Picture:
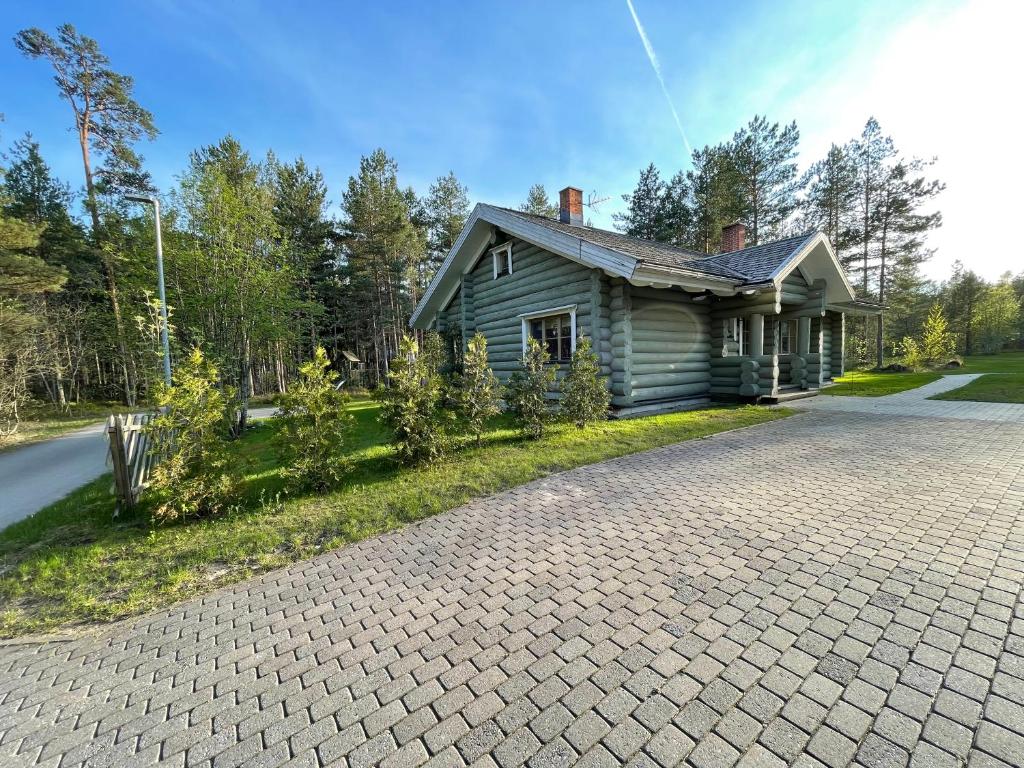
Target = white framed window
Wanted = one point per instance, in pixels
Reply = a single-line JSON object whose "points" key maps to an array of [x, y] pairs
{"points": [[737, 336], [555, 329], [502, 256], [787, 337]]}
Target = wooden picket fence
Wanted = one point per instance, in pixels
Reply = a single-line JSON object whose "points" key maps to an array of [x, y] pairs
{"points": [[130, 456]]}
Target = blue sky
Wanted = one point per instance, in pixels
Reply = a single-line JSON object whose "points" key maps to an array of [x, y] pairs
{"points": [[508, 94]]}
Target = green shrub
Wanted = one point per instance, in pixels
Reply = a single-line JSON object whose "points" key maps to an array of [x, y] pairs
{"points": [[527, 390], [411, 406], [584, 394], [910, 352], [190, 436], [314, 425], [432, 353], [478, 393], [938, 344]]}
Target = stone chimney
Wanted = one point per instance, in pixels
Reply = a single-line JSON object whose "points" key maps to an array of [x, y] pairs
{"points": [[734, 237], [570, 206]]}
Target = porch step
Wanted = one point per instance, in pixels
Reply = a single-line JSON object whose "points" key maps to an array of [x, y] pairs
{"points": [[797, 394]]}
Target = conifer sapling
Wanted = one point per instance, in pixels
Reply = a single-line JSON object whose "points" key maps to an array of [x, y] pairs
{"points": [[528, 388], [479, 394], [584, 395]]}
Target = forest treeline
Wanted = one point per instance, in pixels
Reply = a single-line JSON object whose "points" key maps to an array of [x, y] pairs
{"points": [[260, 271]]}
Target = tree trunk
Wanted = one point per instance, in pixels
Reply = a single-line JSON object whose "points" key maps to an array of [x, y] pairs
{"points": [[879, 351], [106, 261]]}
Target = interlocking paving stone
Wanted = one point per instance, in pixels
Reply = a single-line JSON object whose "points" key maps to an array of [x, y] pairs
{"points": [[694, 603]]}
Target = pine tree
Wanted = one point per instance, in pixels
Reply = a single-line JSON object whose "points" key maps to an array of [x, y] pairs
{"points": [[446, 208], [963, 293], [715, 196], [527, 391], [479, 394], [585, 397], [871, 153], [644, 215], [108, 122], [763, 155], [901, 227], [677, 215], [830, 186], [382, 252], [538, 204], [308, 235]]}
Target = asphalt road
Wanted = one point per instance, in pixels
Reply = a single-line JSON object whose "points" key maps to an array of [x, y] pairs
{"points": [[35, 476]]}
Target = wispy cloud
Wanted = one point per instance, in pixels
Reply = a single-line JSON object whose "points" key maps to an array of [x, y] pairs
{"points": [[653, 58]]}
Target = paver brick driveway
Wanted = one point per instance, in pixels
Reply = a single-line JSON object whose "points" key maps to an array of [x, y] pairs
{"points": [[831, 588]]}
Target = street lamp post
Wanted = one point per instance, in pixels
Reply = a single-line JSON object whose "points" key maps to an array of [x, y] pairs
{"points": [[160, 281]]}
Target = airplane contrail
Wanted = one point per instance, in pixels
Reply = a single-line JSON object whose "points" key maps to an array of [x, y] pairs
{"points": [[653, 58]]}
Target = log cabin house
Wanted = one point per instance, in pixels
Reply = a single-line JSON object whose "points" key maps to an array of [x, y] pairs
{"points": [[673, 328]]}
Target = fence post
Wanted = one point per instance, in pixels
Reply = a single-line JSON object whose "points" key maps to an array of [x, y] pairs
{"points": [[119, 462]]}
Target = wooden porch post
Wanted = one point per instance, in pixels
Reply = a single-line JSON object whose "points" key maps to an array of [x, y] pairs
{"points": [[757, 335], [803, 336]]}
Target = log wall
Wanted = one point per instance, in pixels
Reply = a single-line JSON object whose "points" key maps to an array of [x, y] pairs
{"points": [[671, 344], [540, 280]]}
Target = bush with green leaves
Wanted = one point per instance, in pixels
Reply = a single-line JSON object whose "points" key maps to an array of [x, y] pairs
{"points": [[314, 425], [584, 394], [193, 477], [527, 391], [910, 352], [411, 406], [432, 352], [938, 345], [478, 393]]}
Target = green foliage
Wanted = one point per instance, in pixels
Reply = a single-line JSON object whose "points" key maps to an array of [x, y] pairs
{"points": [[938, 345], [231, 265], [996, 318], [527, 390], [478, 394], [585, 397], [432, 352], [193, 478], [538, 204], [411, 406], [314, 426], [107, 118], [446, 209], [910, 352], [763, 156]]}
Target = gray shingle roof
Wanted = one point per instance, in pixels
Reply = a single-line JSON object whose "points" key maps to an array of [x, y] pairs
{"points": [[750, 265], [759, 262]]}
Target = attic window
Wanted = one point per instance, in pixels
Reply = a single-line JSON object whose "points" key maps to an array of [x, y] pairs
{"points": [[502, 256]]}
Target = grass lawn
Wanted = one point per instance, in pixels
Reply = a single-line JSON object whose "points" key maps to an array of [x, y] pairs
{"points": [[990, 388], [1005, 362], [876, 384], [41, 422], [71, 563]]}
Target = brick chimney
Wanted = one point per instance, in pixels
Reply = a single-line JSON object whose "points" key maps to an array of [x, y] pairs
{"points": [[570, 206], [734, 237]]}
